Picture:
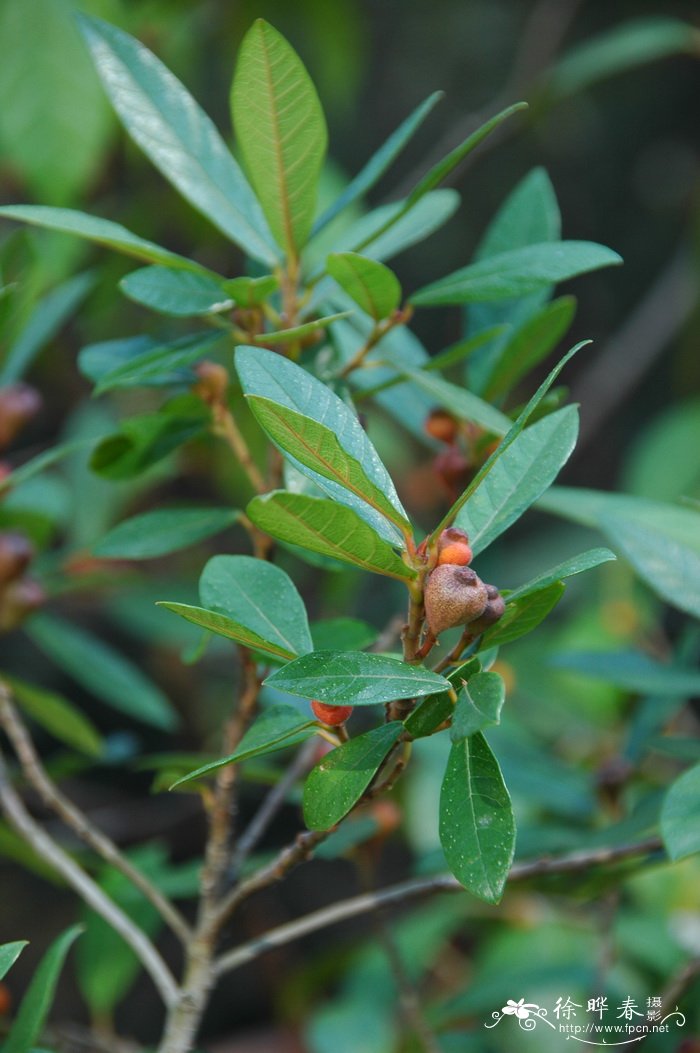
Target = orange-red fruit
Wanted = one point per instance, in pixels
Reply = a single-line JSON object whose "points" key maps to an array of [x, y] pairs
{"points": [[453, 596], [330, 715], [459, 554], [441, 425]]}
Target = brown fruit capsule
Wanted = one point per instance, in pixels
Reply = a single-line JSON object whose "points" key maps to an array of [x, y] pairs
{"points": [[330, 715], [15, 554], [441, 425], [18, 404], [495, 606], [453, 596]]}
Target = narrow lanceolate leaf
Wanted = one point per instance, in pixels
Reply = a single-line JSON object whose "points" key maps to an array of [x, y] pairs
{"points": [[275, 729], [577, 565], [9, 953], [328, 528], [36, 1004], [347, 678], [459, 401], [479, 705], [162, 532], [317, 447], [529, 465], [106, 673], [369, 283], [530, 343], [679, 816], [477, 827], [223, 626], [338, 781], [523, 615], [270, 376], [59, 717], [516, 273], [298, 332], [281, 130], [379, 162], [260, 596], [102, 231], [165, 121], [156, 366], [183, 294]]}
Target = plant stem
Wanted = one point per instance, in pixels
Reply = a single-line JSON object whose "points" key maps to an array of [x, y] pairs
{"points": [[226, 428]]}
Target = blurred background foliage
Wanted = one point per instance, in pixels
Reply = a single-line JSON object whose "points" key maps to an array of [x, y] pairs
{"points": [[613, 92]]}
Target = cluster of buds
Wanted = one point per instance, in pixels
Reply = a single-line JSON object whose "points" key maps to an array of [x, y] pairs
{"points": [[467, 446], [454, 593], [19, 595]]}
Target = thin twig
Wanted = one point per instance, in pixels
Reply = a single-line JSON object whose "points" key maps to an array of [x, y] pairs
{"points": [[76, 820], [363, 904], [88, 890], [408, 995], [226, 427]]}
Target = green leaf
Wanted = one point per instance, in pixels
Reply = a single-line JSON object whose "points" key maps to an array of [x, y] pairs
{"points": [[529, 465], [46, 320], [281, 130], [9, 953], [517, 272], [632, 671], [275, 729], [60, 718], [331, 529], [338, 781], [223, 626], [54, 136], [183, 294], [271, 377], [379, 162], [260, 596], [298, 332], [479, 705], [251, 291], [523, 615], [440, 171], [347, 678], [434, 710], [679, 816], [459, 401], [391, 229], [477, 828], [632, 43], [530, 343], [143, 441], [36, 1004], [164, 531], [103, 231], [369, 283], [317, 447], [576, 565], [103, 672], [661, 541], [160, 364], [165, 121], [41, 462], [342, 634]]}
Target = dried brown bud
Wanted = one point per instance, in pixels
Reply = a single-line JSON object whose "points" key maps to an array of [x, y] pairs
{"points": [[19, 600], [15, 553], [212, 385], [18, 404], [454, 595], [452, 467], [495, 606]]}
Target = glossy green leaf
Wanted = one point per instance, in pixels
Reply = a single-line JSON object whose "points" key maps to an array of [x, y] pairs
{"points": [[48, 317], [477, 827], [275, 729], [661, 541], [281, 131], [102, 671], [679, 816], [95, 361], [479, 704], [434, 710], [223, 626], [459, 401], [183, 294], [144, 441], [60, 718], [165, 121], [260, 596], [338, 781], [102, 231], [269, 376], [391, 229], [517, 272], [9, 953], [164, 531], [379, 162], [347, 678], [328, 528], [36, 1004], [523, 615], [251, 291], [164, 363], [317, 447], [369, 283], [529, 465], [298, 332], [576, 565], [632, 671], [531, 342], [632, 43]]}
